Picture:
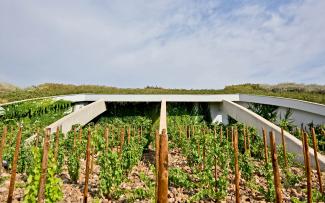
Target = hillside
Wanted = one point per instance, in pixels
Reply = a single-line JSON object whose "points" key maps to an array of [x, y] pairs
{"points": [[5, 87], [313, 93]]}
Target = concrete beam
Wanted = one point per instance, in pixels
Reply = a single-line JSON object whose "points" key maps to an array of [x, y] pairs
{"points": [[163, 116], [82, 116], [250, 118], [318, 109], [150, 97]]}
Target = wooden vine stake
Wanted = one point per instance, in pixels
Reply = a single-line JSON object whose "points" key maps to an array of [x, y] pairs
{"points": [[106, 139], [319, 174], [2, 145], [112, 132], [203, 154], [139, 136], [303, 142], [198, 153], [308, 169], [232, 135], [187, 132], [14, 168], [56, 147], [157, 143], [163, 169], [215, 173], [46, 145], [248, 142], [129, 135], [92, 159], [265, 146], [245, 142], [276, 173], [74, 137], [227, 133], [87, 167], [215, 133], [284, 149], [237, 176], [121, 142], [221, 134], [80, 136]]}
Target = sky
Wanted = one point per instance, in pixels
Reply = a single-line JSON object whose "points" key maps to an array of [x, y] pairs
{"points": [[166, 43]]}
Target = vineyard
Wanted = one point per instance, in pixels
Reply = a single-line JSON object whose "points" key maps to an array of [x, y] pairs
{"points": [[121, 157]]}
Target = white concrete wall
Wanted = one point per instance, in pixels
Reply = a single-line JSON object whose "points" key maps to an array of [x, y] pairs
{"points": [[82, 116], [217, 114], [301, 117], [298, 116], [250, 118], [77, 106]]}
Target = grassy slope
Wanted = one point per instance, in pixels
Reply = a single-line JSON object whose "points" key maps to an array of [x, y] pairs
{"points": [[5, 87], [315, 94]]}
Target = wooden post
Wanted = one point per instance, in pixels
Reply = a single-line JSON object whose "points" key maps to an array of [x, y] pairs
{"points": [[232, 135], [106, 139], [41, 192], [112, 132], [248, 142], [139, 135], [92, 158], [198, 153], [2, 146], [303, 143], [56, 148], [14, 168], [215, 174], [221, 134], [215, 133], [308, 170], [74, 137], [163, 169], [227, 133], [276, 173], [319, 174], [122, 142], [265, 146], [157, 143], [140, 131], [284, 149], [237, 176], [203, 164], [187, 132], [87, 167], [80, 135], [129, 135], [245, 142]]}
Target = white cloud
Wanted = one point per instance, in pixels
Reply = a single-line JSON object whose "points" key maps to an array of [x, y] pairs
{"points": [[167, 43]]}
